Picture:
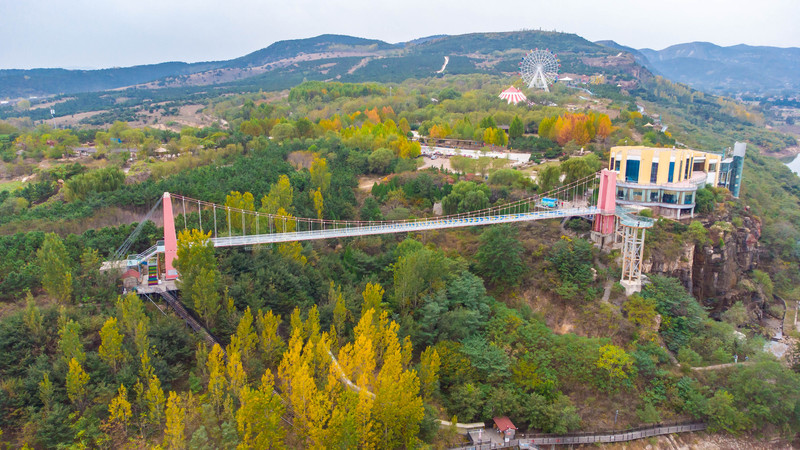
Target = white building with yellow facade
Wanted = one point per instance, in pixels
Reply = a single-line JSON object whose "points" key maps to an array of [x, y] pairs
{"points": [[663, 179]]}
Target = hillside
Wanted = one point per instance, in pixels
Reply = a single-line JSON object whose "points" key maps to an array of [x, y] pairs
{"points": [[286, 63]]}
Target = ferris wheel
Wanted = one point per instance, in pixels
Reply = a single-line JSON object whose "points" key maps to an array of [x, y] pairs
{"points": [[539, 69]]}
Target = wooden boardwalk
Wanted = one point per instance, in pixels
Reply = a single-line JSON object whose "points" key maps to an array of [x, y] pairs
{"points": [[532, 441]]}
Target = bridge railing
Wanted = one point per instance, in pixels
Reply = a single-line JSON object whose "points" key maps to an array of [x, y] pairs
{"points": [[242, 222]]}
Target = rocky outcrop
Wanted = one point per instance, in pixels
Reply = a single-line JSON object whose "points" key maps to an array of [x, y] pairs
{"points": [[712, 271], [719, 265]]}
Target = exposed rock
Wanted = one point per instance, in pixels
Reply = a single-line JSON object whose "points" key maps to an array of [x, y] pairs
{"points": [[712, 272]]}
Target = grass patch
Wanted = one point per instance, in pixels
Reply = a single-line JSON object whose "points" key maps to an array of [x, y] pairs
{"points": [[10, 185]]}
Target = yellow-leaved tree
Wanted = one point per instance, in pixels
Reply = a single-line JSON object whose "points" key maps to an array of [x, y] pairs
{"points": [[175, 423], [259, 416], [77, 379], [119, 410], [111, 350]]}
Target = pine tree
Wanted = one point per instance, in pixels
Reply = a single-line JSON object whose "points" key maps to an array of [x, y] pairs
{"points": [[77, 379], [175, 423], [110, 349], [516, 129]]}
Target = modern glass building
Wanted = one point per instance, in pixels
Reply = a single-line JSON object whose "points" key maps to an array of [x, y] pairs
{"points": [[662, 179], [730, 175]]}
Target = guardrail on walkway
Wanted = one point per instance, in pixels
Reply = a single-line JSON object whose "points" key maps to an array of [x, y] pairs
{"points": [[597, 437]]}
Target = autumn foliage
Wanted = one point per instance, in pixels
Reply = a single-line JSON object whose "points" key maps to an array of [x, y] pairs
{"points": [[581, 128]]}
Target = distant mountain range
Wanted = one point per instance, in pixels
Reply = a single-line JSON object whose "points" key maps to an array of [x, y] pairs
{"points": [[332, 57], [738, 69], [705, 66]]}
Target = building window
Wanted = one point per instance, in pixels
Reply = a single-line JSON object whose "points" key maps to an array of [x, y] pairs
{"points": [[616, 166], [671, 171], [669, 197], [654, 196], [632, 171], [654, 172], [687, 199], [686, 173], [637, 195], [620, 194], [712, 167]]}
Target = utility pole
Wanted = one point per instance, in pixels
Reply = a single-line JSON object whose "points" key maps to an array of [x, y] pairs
{"points": [[615, 420]]}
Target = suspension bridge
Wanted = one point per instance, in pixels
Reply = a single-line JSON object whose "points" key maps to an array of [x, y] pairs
{"points": [[590, 197]]}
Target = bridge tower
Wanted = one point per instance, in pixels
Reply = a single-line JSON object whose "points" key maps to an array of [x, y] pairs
{"points": [[632, 233], [606, 203], [611, 224], [170, 238]]}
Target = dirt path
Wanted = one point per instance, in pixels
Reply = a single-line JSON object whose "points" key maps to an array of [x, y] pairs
{"points": [[721, 366]]}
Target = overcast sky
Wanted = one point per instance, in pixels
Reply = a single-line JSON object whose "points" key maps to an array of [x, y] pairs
{"points": [[108, 33]]}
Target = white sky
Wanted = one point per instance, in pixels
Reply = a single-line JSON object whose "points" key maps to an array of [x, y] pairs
{"points": [[108, 33]]}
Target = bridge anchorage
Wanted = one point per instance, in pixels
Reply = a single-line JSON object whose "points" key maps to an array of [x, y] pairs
{"points": [[593, 196]]}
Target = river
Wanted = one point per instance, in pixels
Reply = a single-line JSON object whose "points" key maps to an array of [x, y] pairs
{"points": [[794, 165]]}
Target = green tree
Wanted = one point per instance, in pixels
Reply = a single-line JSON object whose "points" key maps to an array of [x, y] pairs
{"points": [[516, 129], [70, 342], [500, 256], [548, 178], [280, 196], [206, 295], [380, 160], [723, 414], [195, 258], [736, 315], [53, 259]]}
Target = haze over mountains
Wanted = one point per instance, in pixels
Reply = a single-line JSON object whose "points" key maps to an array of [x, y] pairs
{"points": [[705, 66], [724, 70]]}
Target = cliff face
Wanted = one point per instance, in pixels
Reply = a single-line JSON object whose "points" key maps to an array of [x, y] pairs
{"points": [[717, 267], [712, 271]]}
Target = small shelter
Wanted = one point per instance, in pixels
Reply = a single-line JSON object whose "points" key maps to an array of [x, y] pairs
{"points": [[513, 95], [130, 279], [504, 425]]}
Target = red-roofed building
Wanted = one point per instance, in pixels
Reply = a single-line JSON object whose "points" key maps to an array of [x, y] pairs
{"points": [[505, 426], [130, 279]]}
